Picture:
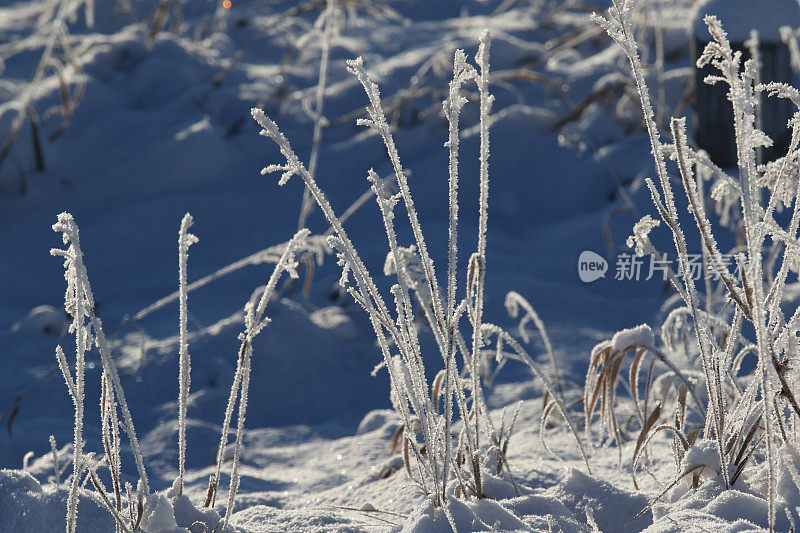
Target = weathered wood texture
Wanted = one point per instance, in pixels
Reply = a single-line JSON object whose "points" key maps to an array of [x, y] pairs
{"points": [[714, 114]]}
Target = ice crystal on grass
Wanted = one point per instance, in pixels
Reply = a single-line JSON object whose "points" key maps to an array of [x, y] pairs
{"points": [[640, 240]]}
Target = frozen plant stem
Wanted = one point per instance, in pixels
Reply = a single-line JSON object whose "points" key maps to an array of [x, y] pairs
{"points": [[76, 391], [477, 266], [709, 356], [185, 239], [110, 435], [744, 126], [79, 302], [452, 109], [255, 321], [515, 301]]}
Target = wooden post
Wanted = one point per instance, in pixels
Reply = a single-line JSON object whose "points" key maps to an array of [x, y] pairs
{"points": [[713, 111]]}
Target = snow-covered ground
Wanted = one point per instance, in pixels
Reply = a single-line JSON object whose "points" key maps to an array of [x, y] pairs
{"points": [[164, 128]]}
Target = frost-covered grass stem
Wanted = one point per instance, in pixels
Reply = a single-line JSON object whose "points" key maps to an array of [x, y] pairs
{"points": [[79, 302], [185, 239], [255, 321]]}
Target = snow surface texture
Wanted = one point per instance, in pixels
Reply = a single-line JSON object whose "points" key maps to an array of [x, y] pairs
{"points": [[163, 128], [739, 17]]}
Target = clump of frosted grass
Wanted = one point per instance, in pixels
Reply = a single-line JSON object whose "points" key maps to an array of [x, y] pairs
{"points": [[437, 468], [131, 508], [740, 414], [88, 331]]}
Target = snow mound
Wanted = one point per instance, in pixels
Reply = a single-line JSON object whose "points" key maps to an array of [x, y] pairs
{"points": [[262, 518], [159, 515], [475, 515], [703, 452], [42, 319], [185, 513], [640, 335], [335, 320], [29, 507], [497, 488], [713, 508], [612, 508], [733, 505], [545, 513]]}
